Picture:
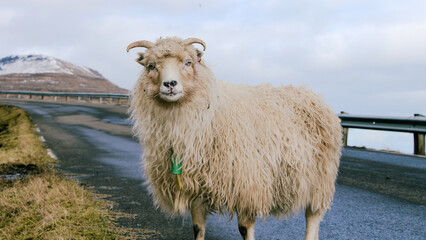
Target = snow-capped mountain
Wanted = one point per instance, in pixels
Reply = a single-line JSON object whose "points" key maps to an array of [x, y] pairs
{"points": [[45, 73], [42, 64]]}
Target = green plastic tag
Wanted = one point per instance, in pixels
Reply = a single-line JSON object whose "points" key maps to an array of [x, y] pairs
{"points": [[176, 164]]}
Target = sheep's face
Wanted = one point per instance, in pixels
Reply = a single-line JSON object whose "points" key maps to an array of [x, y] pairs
{"points": [[170, 68], [169, 79]]}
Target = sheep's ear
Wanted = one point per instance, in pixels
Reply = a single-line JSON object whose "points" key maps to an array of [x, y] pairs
{"points": [[140, 58], [199, 55]]}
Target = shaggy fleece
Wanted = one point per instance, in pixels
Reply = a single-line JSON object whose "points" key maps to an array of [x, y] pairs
{"points": [[254, 150]]}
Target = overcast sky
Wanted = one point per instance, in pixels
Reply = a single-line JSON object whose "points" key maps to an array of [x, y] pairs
{"points": [[363, 56]]}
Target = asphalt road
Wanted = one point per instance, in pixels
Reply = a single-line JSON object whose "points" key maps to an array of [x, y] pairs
{"points": [[378, 196]]}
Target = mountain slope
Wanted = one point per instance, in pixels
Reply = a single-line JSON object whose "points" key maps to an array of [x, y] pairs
{"points": [[48, 74]]}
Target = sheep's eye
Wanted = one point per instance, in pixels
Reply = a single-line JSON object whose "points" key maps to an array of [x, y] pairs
{"points": [[150, 66], [188, 63]]}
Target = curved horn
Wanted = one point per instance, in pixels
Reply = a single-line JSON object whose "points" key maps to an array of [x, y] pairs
{"points": [[144, 43], [189, 41]]}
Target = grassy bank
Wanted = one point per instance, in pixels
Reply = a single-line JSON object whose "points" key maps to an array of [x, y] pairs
{"points": [[37, 202], [18, 142]]}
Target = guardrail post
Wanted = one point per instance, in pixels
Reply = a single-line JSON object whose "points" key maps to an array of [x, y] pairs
{"points": [[56, 98], [419, 144], [419, 140], [100, 99], [345, 136], [79, 99], [345, 132]]}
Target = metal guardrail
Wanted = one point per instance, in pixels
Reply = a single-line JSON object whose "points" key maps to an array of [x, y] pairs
{"points": [[109, 97], [415, 124]]}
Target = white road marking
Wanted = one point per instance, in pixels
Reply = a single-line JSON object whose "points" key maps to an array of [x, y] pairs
{"points": [[51, 154]]}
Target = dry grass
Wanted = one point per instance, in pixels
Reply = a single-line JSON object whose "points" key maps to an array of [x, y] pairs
{"points": [[46, 205], [49, 207], [18, 142]]}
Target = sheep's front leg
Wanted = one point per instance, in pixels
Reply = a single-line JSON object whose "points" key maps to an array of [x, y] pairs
{"points": [[313, 220], [199, 215], [246, 227]]}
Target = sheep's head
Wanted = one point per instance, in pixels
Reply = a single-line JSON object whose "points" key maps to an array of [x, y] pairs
{"points": [[170, 68]]}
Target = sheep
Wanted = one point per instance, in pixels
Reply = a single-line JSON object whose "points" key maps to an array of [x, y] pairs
{"points": [[215, 147]]}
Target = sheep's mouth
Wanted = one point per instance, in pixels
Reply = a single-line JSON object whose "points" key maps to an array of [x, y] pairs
{"points": [[171, 96], [170, 93]]}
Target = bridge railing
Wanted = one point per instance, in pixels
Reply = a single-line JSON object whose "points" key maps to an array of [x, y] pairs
{"points": [[111, 98], [415, 124]]}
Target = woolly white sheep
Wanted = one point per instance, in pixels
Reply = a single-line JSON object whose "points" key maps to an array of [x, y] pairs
{"points": [[211, 146]]}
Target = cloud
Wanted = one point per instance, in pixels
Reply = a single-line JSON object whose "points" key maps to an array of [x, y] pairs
{"points": [[372, 45], [363, 56], [6, 16]]}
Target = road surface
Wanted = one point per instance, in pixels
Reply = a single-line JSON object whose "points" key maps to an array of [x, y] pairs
{"points": [[94, 143]]}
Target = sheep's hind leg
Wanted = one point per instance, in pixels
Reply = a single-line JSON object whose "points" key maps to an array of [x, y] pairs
{"points": [[313, 220], [199, 215], [246, 227]]}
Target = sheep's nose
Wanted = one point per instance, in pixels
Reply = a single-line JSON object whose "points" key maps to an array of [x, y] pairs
{"points": [[170, 83]]}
